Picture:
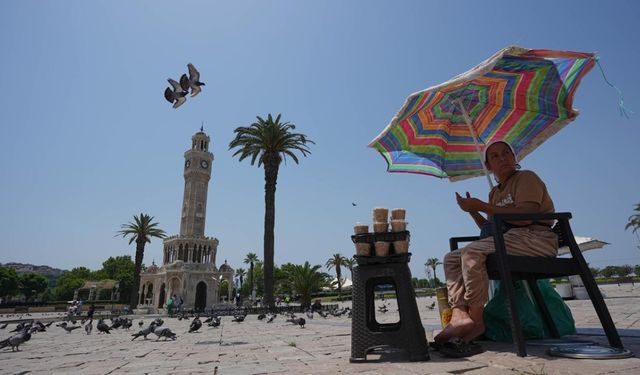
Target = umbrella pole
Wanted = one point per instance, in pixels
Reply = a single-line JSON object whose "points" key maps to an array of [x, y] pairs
{"points": [[467, 120]]}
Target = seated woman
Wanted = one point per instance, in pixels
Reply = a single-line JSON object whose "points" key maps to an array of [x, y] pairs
{"points": [[465, 271]]}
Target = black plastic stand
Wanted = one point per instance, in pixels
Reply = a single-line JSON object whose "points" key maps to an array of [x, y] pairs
{"points": [[366, 333]]}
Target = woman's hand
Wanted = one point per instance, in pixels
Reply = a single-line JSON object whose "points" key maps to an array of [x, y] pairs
{"points": [[469, 204]]}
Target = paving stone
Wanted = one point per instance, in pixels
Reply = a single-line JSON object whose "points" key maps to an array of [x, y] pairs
{"points": [[322, 347]]}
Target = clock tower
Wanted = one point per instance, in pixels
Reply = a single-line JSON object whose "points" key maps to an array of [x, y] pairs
{"points": [[189, 268], [197, 172]]}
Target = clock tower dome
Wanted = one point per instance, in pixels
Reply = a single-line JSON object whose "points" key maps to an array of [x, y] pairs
{"points": [[197, 172]]}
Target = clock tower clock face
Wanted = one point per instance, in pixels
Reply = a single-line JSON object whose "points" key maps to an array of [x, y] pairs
{"points": [[204, 164], [187, 163]]}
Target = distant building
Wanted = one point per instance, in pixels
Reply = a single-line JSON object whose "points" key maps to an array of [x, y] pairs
{"points": [[189, 266]]}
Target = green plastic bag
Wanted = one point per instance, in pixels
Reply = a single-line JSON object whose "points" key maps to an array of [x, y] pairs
{"points": [[497, 320]]}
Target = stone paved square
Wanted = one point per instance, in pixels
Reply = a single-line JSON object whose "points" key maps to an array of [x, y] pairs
{"points": [[322, 347]]}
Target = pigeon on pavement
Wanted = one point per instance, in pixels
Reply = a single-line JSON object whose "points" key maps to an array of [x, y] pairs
{"points": [[89, 327], [144, 332], [16, 340], [192, 82], [103, 327], [215, 321], [164, 332], [238, 318], [195, 324]]}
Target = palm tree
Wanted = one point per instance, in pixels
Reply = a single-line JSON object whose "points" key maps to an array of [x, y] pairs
{"points": [[241, 273], [269, 142], [306, 280], [141, 230], [433, 263], [337, 261], [250, 259], [349, 263], [634, 222]]}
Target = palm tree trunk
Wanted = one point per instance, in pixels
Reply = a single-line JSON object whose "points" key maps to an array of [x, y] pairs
{"points": [[339, 274], [251, 278], [136, 274], [270, 177], [434, 276]]}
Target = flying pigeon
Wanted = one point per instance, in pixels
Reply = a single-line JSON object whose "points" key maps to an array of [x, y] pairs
{"points": [[353, 204], [175, 96], [16, 340], [195, 324], [193, 81]]}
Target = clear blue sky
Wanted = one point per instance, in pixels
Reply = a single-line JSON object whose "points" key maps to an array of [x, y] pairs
{"points": [[87, 139]]}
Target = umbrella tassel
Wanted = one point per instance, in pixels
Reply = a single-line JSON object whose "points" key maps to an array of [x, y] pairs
{"points": [[623, 110]]}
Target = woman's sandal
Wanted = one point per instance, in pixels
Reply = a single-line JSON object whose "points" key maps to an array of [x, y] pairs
{"points": [[457, 348]]}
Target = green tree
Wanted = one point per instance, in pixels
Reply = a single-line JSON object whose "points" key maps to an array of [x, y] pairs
{"points": [[269, 142], [241, 273], [609, 271], [349, 263], [120, 269], [251, 259], [624, 270], [224, 289], [282, 276], [306, 280], [634, 222], [8, 282], [141, 230], [433, 263], [337, 261], [32, 284], [69, 282], [636, 269], [595, 271]]}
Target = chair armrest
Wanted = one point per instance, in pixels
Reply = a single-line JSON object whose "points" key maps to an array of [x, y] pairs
{"points": [[454, 241], [532, 216], [499, 220]]}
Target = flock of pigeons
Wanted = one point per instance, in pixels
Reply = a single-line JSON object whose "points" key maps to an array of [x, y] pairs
{"points": [[177, 93], [25, 329]]}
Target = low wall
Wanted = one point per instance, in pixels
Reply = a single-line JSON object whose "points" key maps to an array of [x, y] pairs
{"points": [[41, 309]]}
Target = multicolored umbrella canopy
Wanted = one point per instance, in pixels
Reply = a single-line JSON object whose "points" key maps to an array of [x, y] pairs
{"points": [[518, 95]]}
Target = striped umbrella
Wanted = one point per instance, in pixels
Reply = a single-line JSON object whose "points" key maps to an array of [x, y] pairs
{"points": [[518, 95]]}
